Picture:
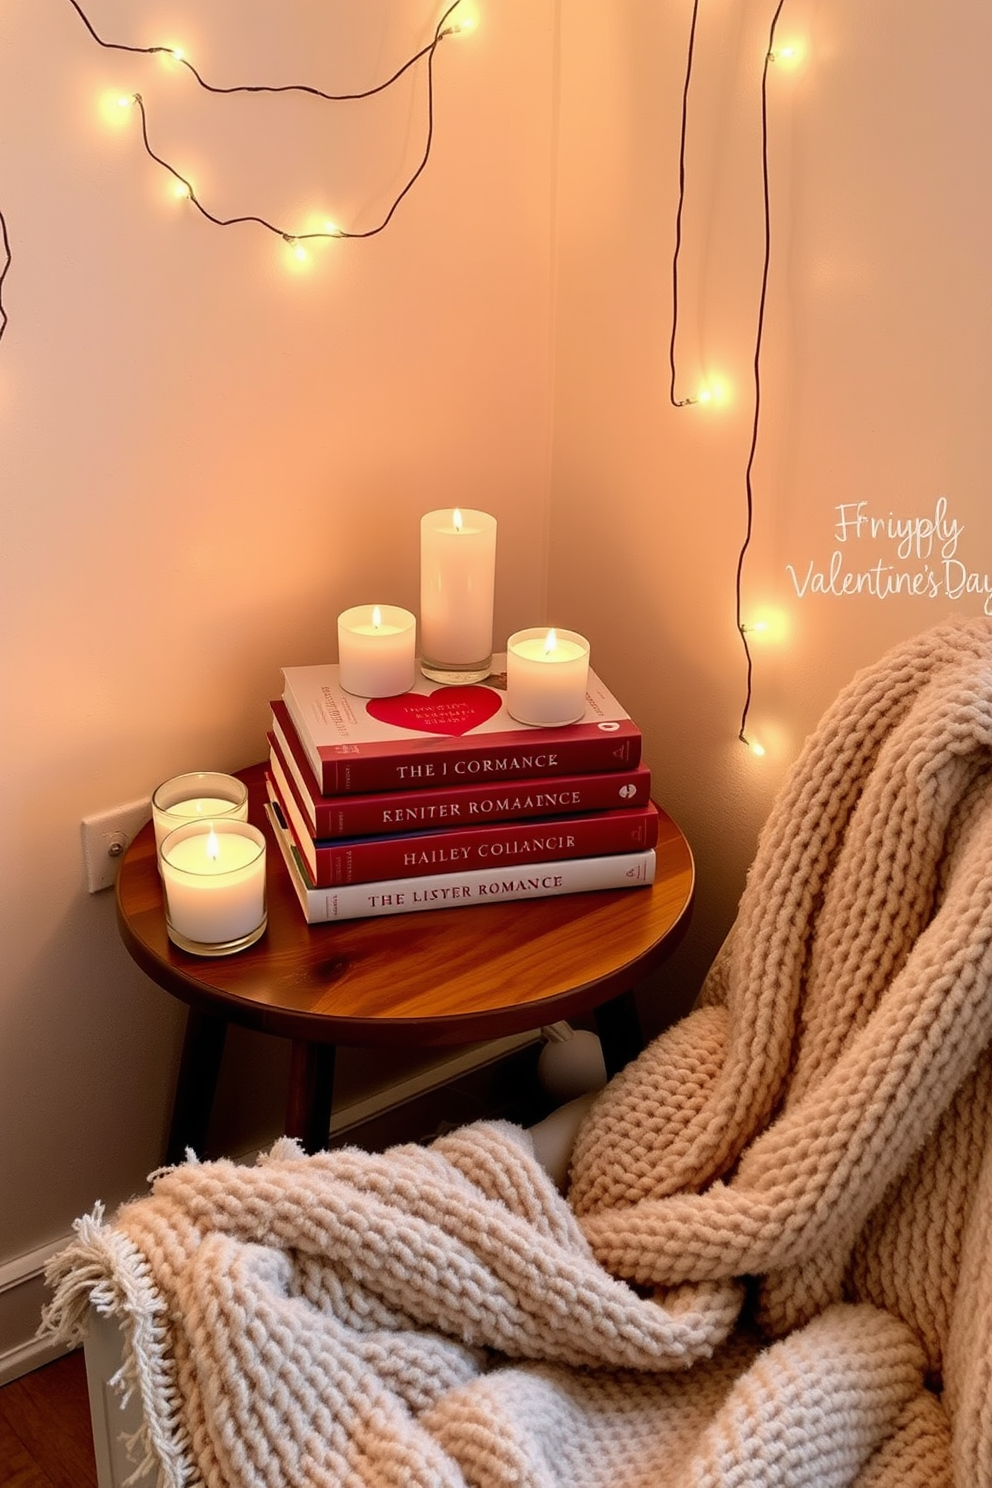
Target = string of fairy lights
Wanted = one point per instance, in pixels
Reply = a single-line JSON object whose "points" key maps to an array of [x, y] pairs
{"points": [[294, 238], [705, 394], [446, 26], [297, 239]]}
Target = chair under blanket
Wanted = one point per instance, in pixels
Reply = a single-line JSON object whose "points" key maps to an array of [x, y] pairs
{"points": [[772, 1261]]}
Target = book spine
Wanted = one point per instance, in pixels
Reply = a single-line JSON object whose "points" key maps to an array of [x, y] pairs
{"points": [[462, 889], [495, 845], [379, 772], [387, 813], [351, 769]]}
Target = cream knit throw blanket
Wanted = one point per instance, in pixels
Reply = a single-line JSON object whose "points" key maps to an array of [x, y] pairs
{"points": [[774, 1263]]}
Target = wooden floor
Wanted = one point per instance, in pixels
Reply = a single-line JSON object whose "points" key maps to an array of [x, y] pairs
{"points": [[45, 1435]]}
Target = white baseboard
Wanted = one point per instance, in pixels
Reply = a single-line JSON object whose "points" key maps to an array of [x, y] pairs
{"points": [[23, 1293]]}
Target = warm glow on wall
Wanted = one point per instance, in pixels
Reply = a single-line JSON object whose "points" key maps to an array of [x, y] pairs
{"points": [[118, 110], [789, 56], [769, 626]]}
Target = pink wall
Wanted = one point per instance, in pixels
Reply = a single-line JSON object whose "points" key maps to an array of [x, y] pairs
{"points": [[875, 371], [206, 453]]}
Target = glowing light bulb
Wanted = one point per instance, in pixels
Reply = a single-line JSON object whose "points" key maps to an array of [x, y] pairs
{"points": [[332, 229], [114, 107], [756, 748], [790, 55]]}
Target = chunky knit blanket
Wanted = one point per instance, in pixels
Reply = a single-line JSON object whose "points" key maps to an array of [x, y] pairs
{"points": [[773, 1263]]}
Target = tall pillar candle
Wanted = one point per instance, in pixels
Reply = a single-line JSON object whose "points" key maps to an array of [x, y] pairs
{"points": [[213, 879], [547, 672], [376, 650], [457, 587]]}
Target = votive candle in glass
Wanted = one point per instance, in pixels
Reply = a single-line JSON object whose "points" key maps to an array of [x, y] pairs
{"points": [[457, 587], [201, 795], [547, 672], [377, 650], [213, 879]]}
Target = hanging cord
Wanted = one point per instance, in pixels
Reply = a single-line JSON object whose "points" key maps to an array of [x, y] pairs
{"points": [[5, 242], [759, 333], [681, 402], [758, 339], [164, 51]]}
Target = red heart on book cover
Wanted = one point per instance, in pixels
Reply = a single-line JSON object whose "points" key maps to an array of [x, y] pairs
{"points": [[447, 710]]}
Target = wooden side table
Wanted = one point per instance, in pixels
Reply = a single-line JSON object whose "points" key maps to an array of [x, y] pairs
{"points": [[434, 977]]}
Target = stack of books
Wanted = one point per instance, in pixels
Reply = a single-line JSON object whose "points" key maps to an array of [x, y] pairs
{"points": [[439, 798]]}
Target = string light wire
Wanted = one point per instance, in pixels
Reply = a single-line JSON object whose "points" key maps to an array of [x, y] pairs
{"points": [[683, 130], [441, 30], [758, 340], [4, 267], [178, 56], [759, 330], [294, 239]]}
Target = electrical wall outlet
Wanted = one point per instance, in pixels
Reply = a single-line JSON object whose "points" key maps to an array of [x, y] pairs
{"points": [[106, 838]]}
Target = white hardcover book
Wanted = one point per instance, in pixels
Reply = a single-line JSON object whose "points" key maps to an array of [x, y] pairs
{"points": [[453, 890]]}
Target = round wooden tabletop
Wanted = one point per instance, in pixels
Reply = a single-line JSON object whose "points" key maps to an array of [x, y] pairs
{"points": [[430, 977]]}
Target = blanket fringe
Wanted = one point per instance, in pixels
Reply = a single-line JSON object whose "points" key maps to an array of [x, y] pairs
{"points": [[101, 1269]]}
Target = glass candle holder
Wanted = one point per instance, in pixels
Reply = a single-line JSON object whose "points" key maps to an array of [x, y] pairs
{"points": [[202, 795], [457, 585], [213, 879], [547, 672]]}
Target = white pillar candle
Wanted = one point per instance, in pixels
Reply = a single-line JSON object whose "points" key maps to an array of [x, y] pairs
{"points": [[213, 878], [457, 585], [377, 650], [201, 795], [546, 676]]}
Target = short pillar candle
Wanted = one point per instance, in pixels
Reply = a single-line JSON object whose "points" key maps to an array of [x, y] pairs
{"points": [[213, 879], [377, 650], [200, 795], [457, 587], [547, 672]]}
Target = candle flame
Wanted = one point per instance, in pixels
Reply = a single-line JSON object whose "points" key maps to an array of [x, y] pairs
{"points": [[213, 846], [456, 520], [376, 616], [550, 643]]}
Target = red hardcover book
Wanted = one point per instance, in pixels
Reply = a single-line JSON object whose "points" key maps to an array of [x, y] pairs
{"points": [[454, 890], [494, 845], [385, 813], [437, 735]]}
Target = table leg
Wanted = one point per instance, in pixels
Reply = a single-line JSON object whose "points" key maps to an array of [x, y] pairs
{"points": [[311, 1092], [619, 1027], [199, 1066]]}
